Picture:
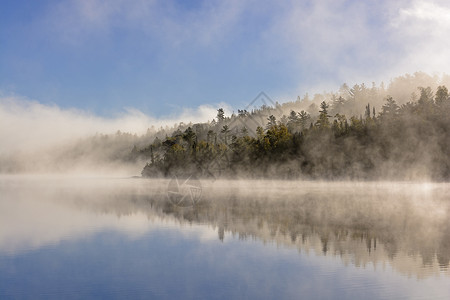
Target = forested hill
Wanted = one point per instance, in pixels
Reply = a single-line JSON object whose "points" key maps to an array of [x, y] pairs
{"points": [[345, 138], [398, 131]]}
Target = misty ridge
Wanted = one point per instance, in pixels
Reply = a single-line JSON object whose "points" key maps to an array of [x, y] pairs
{"points": [[399, 131]]}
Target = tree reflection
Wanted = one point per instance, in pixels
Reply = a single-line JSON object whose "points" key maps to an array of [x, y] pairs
{"points": [[364, 224]]}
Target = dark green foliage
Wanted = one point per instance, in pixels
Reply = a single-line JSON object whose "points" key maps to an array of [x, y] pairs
{"points": [[410, 141], [323, 122]]}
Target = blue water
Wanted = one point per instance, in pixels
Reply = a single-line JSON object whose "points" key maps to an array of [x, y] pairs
{"points": [[72, 239]]}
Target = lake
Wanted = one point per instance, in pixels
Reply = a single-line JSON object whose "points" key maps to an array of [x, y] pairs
{"points": [[80, 238]]}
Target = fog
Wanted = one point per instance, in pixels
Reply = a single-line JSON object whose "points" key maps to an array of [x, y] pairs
{"points": [[38, 212], [46, 138], [409, 144], [29, 124], [403, 225]]}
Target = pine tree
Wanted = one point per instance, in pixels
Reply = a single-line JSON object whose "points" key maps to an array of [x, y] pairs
{"points": [[323, 121], [442, 96], [272, 121], [220, 115]]}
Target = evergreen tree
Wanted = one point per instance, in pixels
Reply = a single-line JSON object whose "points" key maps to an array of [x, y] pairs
{"points": [[272, 121], [425, 103], [390, 109], [225, 131], [323, 121], [367, 113], [304, 119], [220, 115], [293, 121], [442, 96]]}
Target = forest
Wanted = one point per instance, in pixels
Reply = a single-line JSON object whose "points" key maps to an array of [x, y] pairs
{"points": [[356, 133], [394, 131]]}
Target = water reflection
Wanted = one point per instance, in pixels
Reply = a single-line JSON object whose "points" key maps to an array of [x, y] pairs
{"points": [[404, 225]]}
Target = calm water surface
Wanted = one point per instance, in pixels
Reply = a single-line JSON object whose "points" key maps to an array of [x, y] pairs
{"points": [[63, 238]]}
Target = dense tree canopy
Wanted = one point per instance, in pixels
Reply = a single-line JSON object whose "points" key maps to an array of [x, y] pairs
{"points": [[404, 141]]}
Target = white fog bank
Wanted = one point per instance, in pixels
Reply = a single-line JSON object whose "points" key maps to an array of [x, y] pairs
{"points": [[27, 126]]}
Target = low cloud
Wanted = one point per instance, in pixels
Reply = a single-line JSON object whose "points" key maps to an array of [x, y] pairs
{"points": [[27, 125]]}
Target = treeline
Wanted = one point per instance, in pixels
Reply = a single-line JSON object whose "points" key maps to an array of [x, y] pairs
{"points": [[400, 141]]}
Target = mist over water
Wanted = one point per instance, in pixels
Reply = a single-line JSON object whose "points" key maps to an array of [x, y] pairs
{"points": [[125, 176], [75, 219], [374, 230]]}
